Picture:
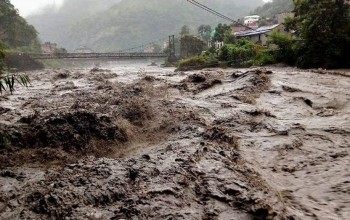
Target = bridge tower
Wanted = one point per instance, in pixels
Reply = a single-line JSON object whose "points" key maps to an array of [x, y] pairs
{"points": [[171, 55]]}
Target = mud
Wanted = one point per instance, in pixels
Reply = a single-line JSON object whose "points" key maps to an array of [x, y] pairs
{"points": [[146, 144]]}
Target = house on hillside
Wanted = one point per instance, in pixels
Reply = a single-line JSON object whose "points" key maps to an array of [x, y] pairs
{"points": [[238, 27], [259, 35], [252, 21]]}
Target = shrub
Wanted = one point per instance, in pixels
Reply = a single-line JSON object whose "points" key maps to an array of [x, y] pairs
{"points": [[265, 58], [230, 38], [197, 62], [242, 52], [211, 51]]}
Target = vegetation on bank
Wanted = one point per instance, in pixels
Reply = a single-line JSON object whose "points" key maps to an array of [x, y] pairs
{"points": [[322, 32], [317, 41], [16, 38], [197, 62], [8, 80], [16, 35], [242, 52]]}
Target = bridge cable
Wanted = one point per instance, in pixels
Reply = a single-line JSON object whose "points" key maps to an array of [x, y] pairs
{"points": [[212, 11]]}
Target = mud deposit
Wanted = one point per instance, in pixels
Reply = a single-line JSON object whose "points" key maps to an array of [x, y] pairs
{"points": [[211, 144]]}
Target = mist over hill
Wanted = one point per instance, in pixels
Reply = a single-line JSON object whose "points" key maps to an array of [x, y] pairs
{"points": [[110, 25]]}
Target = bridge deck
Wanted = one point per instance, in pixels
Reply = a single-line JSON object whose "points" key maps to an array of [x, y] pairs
{"points": [[95, 55]]}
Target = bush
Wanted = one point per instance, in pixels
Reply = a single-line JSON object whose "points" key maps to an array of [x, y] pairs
{"points": [[266, 57], [230, 38], [197, 62], [211, 51], [242, 52]]}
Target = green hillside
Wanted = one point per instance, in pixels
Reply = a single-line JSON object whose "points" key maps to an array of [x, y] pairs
{"points": [[15, 32], [270, 9], [110, 25]]}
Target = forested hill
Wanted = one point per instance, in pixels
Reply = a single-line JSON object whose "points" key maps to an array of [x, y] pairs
{"points": [[110, 25], [270, 9], [15, 32]]}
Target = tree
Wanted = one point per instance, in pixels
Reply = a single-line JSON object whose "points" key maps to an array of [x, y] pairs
{"points": [[185, 30], [191, 46], [287, 47], [220, 32], [204, 31], [323, 28], [230, 38]]}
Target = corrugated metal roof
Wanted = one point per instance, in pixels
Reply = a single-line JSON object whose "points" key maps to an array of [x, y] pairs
{"points": [[260, 30]]}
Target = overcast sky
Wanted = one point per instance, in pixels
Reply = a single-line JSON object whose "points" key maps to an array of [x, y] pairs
{"points": [[27, 7]]}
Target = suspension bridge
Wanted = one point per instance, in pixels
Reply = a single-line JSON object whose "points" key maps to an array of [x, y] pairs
{"points": [[135, 55], [122, 54]]}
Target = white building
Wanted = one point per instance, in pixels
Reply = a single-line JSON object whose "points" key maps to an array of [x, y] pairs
{"points": [[251, 19]]}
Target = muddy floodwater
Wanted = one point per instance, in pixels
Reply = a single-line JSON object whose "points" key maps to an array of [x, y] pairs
{"points": [[125, 140]]}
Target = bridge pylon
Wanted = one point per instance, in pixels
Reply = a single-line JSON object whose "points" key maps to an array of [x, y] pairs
{"points": [[171, 56]]}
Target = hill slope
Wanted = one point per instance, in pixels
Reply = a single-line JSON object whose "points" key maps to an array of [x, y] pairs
{"points": [[110, 25], [15, 32], [275, 7]]}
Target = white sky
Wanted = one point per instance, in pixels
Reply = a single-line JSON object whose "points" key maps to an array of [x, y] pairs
{"points": [[27, 7]]}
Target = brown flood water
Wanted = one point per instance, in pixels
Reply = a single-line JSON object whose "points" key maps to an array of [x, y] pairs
{"points": [[130, 141]]}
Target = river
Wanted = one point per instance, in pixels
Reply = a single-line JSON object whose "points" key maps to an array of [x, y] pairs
{"points": [[131, 141]]}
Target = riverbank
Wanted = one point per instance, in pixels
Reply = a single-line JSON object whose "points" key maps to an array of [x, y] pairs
{"points": [[150, 143], [21, 62]]}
